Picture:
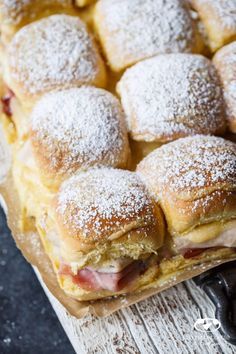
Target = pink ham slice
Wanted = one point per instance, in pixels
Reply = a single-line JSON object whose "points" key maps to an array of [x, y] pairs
{"points": [[6, 103], [193, 252], [93, 280]]}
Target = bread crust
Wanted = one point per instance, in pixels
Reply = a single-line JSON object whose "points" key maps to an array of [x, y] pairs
{"points": [[124, 212], [194, 179], [69, 54], [76, 129], [133, 30], [15, 14], [225, 62], [172, 96], [218, 17]]}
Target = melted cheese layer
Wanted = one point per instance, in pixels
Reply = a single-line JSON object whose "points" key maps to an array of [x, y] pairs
{"points": [[225, 238]]}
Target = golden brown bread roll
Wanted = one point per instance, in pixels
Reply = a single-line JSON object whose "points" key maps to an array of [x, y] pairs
{"points": [[53, 53], [107, 227], [172, 96], [77, 128], [17, 13], [133, 30], [194, 180], [225, 62], [219, 19], [70, 130]]}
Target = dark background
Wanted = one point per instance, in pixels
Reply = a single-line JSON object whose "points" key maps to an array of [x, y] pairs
{"points": [[28, 324]]}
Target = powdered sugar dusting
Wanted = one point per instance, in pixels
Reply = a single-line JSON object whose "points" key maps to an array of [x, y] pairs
{"points": [[80, 127], [100, 200], [225, 61], [225, 10], [139, 29], [190, 164], [51, 53], [13, 11], [169, 95]]}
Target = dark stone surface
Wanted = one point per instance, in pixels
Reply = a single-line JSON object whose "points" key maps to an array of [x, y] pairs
{"points": [[28, 324]]}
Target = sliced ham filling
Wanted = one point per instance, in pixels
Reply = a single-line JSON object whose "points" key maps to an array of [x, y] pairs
{"points": [[94, 280], [6, 103], [194, 252]]}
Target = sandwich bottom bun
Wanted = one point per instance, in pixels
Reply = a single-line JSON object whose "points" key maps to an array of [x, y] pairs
{"points": [[143, 281], [153, 277]]}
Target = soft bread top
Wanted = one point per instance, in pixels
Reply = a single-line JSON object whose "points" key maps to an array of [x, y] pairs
{"points": [[132, 30], [194, 179], [52, 53], [108, 206], [77, 128], [225, 62], [219, 19], [15, 11], [172, 96]]}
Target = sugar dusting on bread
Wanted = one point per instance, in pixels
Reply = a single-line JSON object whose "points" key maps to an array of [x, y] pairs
{"points": [[225, 62], [140, 29], [102, 199], [80, 127], [169, 95], [191, 164], [225, 10], [13, 11], [54, 52]]}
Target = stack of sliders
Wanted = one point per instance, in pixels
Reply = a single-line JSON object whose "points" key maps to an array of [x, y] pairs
{"points": [[129, 186]]}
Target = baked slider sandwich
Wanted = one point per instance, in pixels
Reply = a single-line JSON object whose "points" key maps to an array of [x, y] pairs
{"points": [[133, 30], [171, 96], [225, 62], [53, 53], [194, 180], [70, 130], [219, 20], [102, 234], [15, 14]]}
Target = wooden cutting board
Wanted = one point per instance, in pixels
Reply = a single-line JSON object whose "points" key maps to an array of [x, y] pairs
{"points": [[161, 324]]}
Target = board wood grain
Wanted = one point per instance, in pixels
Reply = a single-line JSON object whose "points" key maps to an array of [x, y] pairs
{"points": [[161, 324]]}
